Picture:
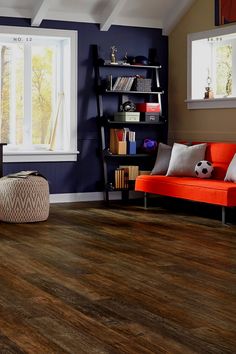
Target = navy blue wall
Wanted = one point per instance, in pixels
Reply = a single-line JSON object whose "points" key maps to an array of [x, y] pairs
{"points": [[85, 174]]}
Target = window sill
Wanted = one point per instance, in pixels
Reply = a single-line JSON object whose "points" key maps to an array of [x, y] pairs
{"points": [[227, 102], [39, 156]]}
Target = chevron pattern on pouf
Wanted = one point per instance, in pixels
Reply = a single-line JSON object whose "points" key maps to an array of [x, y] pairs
{"points": [[24, 199]]}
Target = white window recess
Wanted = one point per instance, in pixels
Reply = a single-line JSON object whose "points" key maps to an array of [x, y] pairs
{"points": [[211, 63]]}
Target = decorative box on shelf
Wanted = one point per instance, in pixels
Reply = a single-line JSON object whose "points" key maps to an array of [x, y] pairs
{"points": [[142, 85], [127, 116], [148, 107], [118, 144], [150, 117], [131, 147]]}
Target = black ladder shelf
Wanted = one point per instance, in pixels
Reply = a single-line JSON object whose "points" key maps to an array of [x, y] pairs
{"points": [[106, 122]]}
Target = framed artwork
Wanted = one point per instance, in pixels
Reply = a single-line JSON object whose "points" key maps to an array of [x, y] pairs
{"points": [[225, 12]]}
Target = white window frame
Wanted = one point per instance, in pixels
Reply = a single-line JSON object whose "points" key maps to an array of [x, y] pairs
{"points": [[224, 102], [70, 154]]}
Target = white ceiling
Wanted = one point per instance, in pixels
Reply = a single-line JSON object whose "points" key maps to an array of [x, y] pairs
{"points": [[163, 14]]}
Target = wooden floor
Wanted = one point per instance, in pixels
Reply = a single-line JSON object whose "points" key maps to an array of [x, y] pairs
{"points": [[119, 280]]}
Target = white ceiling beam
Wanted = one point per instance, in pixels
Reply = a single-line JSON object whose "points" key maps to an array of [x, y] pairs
{"points": [[111, 14], [138, 22], [39, 12]]}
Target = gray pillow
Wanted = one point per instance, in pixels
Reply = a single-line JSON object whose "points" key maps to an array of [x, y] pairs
{"points": [[162, 160], [184, 158], [231, 171]]}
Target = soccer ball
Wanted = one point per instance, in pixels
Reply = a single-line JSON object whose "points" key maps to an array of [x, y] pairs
{"points": [[204, 169]]}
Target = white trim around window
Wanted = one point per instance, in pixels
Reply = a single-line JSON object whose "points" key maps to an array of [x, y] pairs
{"points": [[229, 102], [47, 156], [69, 152]]}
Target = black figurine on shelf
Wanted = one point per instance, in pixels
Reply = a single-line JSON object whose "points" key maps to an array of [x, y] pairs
{"points": [[125, 59], [127, 106]]}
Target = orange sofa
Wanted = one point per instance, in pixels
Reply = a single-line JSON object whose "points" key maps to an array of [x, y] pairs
{"points": [[214, 191]]}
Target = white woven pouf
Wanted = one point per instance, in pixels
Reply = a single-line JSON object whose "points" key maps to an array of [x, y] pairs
{"points": [[24, 199]]}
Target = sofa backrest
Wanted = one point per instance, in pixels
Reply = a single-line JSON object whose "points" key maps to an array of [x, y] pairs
{"points": [[220, 154]]}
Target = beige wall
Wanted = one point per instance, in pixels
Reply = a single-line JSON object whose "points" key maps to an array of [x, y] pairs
{"points": [[200, 124]]}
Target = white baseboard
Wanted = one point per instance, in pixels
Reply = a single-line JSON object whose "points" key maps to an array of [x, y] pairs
{"points": [[87, 197], [75, 197]]}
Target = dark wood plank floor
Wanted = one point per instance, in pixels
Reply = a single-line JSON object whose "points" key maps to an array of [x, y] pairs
{"points": [[122, 279]]}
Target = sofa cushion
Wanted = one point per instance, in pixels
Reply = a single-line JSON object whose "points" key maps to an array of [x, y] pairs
{"points": [[231, 171], [220, 155], [184, 159], [196, 189], [162, 160]]}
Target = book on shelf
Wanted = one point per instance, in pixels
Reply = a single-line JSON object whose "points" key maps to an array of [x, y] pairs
{"points": [[121, 84], [116, 83], [126, 177]]}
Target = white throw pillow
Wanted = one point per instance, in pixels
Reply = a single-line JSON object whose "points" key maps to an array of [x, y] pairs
{"points": [[231, 171], [162, 160], [184, 159]]}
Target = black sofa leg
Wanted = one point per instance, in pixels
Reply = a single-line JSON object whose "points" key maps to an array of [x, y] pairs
{"points": [[145, 199], [223, 215]]}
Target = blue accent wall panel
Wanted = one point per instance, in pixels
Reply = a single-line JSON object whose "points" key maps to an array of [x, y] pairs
{"points": [[85, 174]]}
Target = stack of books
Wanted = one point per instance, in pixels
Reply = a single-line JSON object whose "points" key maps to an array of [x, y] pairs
{"points": [[125, 176], [123, 83], [122, 178]]}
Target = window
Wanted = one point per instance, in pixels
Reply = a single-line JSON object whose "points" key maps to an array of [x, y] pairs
{"points": [[38, 114], [212, 69]]}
